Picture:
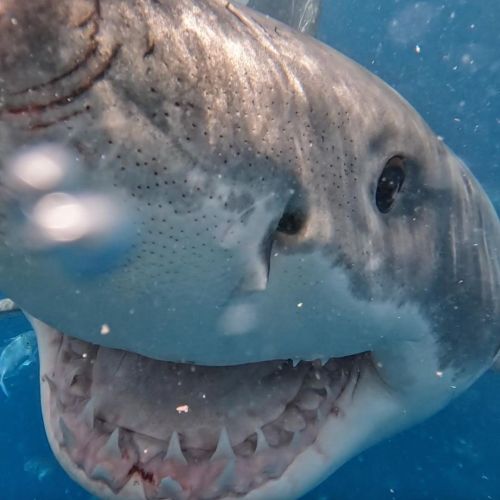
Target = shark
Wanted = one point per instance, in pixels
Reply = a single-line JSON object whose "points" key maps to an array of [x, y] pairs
{"points": [[245, 257]]}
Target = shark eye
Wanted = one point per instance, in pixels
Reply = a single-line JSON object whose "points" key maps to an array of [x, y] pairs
{"points": [[390, 183]]}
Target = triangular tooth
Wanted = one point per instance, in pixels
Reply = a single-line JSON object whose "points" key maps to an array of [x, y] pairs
{"points": [[295, 362], [226, 479], [321, 414], [76, 381], [174, 451], [324, 411], [171, 489], [52, 385], [319, 362], [112, 447], [133, 489], [262, 444], [88, 414], [102, 473], [296, 439], [68, 438], [224, 449]]}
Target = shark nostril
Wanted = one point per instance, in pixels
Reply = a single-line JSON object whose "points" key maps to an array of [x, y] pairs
{"points": [[291, 223]]}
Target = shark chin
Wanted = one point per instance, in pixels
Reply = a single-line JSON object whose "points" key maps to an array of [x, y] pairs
{"points": [[130, 427]]}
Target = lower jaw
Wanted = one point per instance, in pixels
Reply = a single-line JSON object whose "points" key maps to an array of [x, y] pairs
{"points": [[119, 462]]}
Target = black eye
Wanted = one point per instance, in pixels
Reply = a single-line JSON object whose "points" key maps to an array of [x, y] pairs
{"points": [[390, 184]]}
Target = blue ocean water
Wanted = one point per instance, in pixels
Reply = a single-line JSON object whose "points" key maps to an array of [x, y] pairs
{"points": [[444, 57]]}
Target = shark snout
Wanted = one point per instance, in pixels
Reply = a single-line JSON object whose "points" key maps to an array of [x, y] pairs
{"points": [[40, 41]]}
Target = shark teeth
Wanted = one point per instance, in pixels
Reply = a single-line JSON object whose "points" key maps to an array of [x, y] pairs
{"points": [[68, 438], [319, 362], [171, 489], [133, 489], [174, 451], [226, 479], [52, 385], [262, 444], [88, 414], [224, 450], [136, 465], [111, 449], [102, 473], [296, 440]]}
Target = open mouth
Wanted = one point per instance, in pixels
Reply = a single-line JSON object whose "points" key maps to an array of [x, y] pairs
{"points": [[185, 431]]}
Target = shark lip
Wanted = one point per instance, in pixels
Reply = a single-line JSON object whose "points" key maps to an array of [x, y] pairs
{"points": [[200, 451]]}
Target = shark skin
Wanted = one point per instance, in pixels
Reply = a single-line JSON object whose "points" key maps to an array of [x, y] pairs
{"points": [[303, 267]]}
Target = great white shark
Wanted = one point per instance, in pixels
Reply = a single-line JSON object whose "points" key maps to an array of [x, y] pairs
{"points": [[303, 267]]}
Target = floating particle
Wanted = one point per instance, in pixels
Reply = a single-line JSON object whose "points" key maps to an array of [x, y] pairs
{"points": [[105, 329], [182, 409]]}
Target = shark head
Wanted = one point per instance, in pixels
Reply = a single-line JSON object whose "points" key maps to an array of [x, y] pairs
{"points": [[303, 268]]}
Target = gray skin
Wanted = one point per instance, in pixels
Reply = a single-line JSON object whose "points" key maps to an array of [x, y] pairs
{"points": [[249, 156]]}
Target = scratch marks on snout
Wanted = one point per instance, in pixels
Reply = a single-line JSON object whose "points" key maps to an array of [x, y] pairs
{"points": [[88, 17], [37, 101], [55, 121], [84, 60], [99, 70]]}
